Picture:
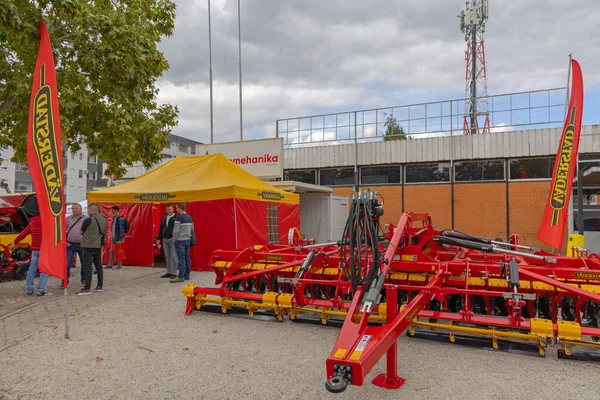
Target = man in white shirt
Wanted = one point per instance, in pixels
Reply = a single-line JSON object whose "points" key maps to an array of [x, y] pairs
{"points": [[165, 233]]}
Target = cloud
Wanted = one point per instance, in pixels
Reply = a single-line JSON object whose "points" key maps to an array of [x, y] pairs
{"points": [[315, 57], [260, 104]]}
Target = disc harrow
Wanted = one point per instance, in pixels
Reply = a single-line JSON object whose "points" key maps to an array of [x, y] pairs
{"points": [[440, 285]]}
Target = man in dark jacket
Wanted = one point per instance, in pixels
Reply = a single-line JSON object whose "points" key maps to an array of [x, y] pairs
{"points": [[118, 235], [165, 233], [93, 230], [184, 237]]}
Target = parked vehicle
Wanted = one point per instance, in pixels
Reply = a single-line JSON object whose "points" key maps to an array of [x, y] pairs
{"points": [[13, 219]]}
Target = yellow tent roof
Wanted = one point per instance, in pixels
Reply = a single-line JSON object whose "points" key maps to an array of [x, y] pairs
{"points": [[193, 178]]}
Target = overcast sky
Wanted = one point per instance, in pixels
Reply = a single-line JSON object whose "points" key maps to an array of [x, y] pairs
{"points": [[303, 57]]}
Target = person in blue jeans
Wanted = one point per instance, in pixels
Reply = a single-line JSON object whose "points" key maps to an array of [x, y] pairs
{"points": [[184, 237], [34, 228], [74, 223]]}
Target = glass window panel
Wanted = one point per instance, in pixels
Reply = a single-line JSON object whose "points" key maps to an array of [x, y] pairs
{"points": [[491, 170], [531, 168], [337, 177], [380, 175], [423, 173], [301, 175]]}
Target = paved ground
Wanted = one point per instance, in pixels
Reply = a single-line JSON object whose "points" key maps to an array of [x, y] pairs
{"points": [[22, 315], [133, 341]]}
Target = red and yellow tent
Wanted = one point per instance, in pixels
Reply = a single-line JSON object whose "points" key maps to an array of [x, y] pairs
{"points": [[230, 207]]}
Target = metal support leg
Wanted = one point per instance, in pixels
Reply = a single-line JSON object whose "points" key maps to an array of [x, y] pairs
{"points": [[390, 380], [190, 305]]}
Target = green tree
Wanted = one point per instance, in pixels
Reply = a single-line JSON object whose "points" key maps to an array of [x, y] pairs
{"points": [[393, 130], [107, 66]]}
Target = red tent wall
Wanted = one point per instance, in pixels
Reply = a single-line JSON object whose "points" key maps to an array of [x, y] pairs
{"points": [[214, 224], [289, 217], [251, 223], [251, 219], [138, 241], [215, 230], [158, 211]]}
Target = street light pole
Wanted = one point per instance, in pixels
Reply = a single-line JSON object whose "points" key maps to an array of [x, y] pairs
{"points": [[210, 74], [240, 63]]}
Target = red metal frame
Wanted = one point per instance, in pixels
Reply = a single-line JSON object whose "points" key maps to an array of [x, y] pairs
{"points": [[415, 265]]}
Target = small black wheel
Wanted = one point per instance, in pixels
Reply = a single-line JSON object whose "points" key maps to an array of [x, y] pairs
{"points": [[7, 276], [21, 272], [337, 384]]}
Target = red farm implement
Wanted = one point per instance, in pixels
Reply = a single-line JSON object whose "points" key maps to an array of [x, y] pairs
{"points": [[442, 285], [14, 265]]}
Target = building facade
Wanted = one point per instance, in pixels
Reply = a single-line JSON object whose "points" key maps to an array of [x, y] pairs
{"points": [[176, 146], [491, 185], [83, 171]]}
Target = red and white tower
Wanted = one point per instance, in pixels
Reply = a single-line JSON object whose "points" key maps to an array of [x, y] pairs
{"points": [[472, 24]]}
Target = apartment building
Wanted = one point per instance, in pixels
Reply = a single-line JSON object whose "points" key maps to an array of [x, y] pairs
{"points": [[176, 146], [83, 171]]}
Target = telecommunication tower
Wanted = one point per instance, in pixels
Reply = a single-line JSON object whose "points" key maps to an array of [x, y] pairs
{"points": [[472, 24]]}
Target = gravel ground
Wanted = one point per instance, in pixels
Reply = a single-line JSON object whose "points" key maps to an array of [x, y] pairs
{"points": [[142, 346]]}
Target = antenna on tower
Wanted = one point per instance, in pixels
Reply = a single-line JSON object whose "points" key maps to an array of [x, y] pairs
{"points": [[472, 24]]}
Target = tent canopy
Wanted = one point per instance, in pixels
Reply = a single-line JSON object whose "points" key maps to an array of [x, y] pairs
{"points": [[193, 178]]}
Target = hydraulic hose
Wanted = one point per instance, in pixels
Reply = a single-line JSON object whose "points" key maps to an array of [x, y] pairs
{"points": [[359, 252]]}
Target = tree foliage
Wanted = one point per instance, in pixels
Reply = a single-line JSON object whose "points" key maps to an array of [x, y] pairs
{"points": [[107, 67], [393, 130]]}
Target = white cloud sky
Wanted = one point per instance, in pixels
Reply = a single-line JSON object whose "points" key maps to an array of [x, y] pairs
{"points": [[310, 57]]}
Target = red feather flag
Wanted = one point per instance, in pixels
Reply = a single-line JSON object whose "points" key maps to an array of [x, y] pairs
{"points": [[552, 229], [44, 159]]}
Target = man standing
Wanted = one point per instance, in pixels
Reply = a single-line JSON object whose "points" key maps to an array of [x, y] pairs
{"points": [[34, 228], [165, 233], [92, 240], [184, 237], [118, 235], [74, 224]]}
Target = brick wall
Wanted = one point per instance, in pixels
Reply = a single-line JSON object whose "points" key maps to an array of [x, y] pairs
{"points": [[480, 209], [432, 199], [392, 196], [527, 202]]}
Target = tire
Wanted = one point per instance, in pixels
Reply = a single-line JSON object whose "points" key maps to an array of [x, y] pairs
{"points": [[21, 272]]}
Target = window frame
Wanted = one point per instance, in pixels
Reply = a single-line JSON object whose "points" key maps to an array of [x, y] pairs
{"points": [[502, 160], [510, 179], [448, 182], [314, 171], [400, 169], [272, 212], [332, 169]]}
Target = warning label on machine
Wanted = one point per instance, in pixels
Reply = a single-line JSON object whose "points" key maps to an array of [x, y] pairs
{"points": [[363, 343], [360, 347]]}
